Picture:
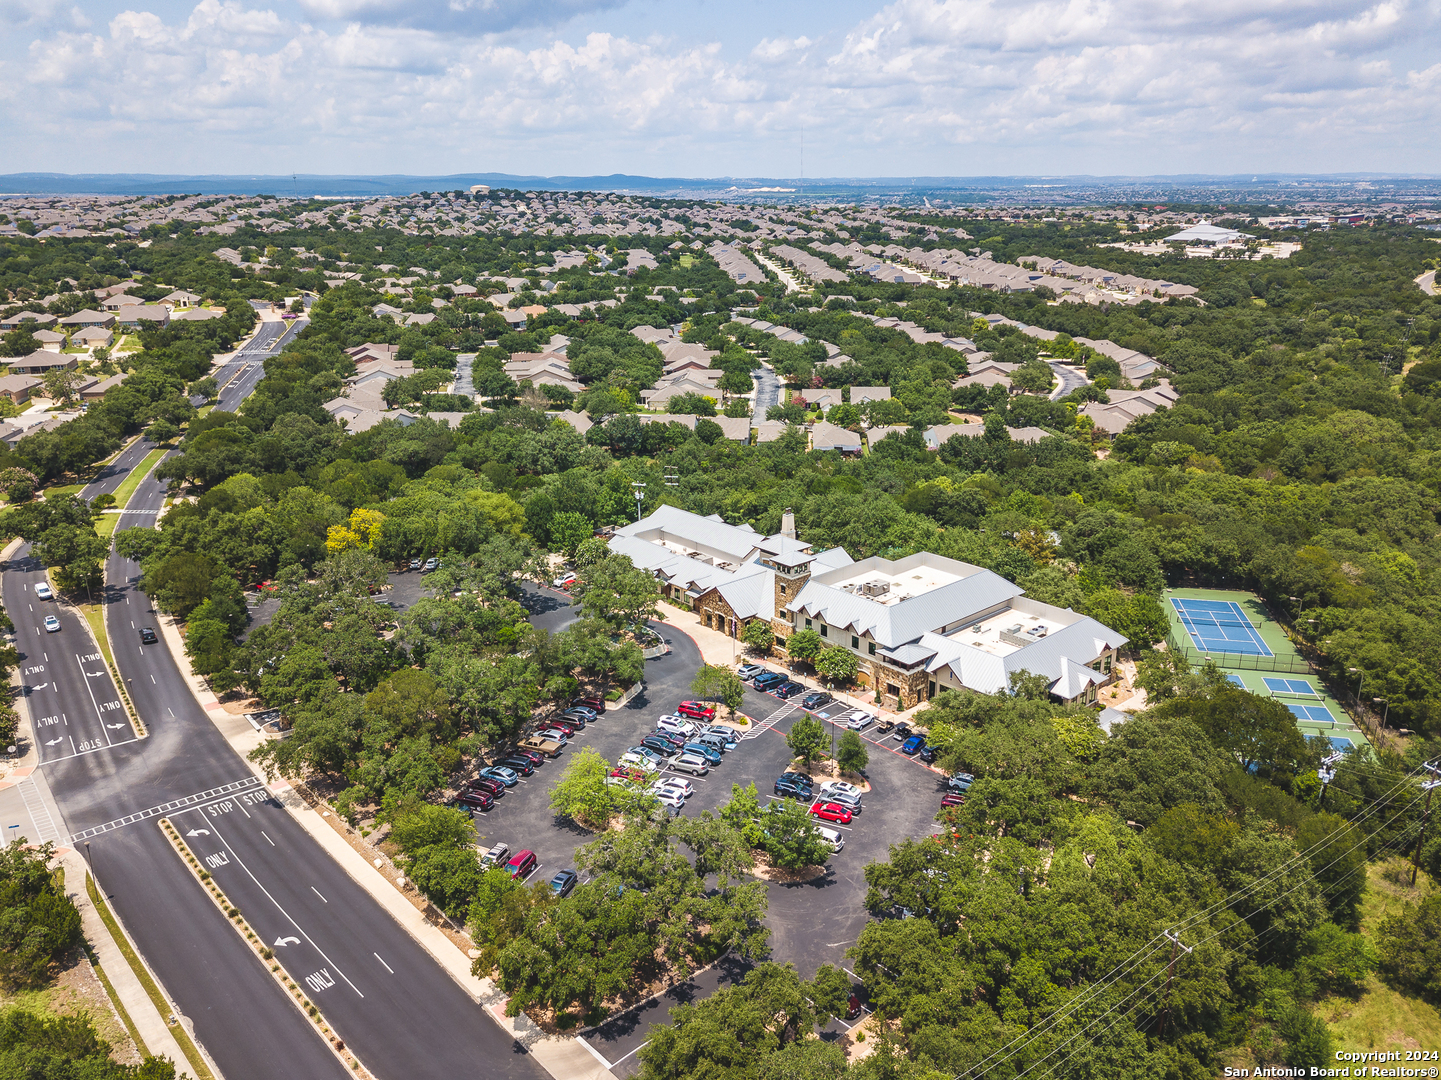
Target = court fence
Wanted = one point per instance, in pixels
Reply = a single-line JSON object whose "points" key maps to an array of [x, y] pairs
{"points": [[1290, 665]]}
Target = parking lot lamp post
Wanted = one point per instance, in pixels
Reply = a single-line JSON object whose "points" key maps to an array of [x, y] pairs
{"points": [[1360, 685], [1386, 715]]}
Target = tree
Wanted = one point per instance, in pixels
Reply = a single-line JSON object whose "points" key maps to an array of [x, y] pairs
{"points": [[804, 645], [716, 682], [590, 551], [1259, 732], [736, 381], [39, 924], [581, 793], [61, 383], [851, 754], [617, 593], [806, 739], [736, 408], [568, 530], [1409, 944], [758, 636], [17, 484], [75, 553], [838, 665]]}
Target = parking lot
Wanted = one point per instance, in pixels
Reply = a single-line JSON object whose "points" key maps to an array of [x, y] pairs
{"points": [[811, 923]]}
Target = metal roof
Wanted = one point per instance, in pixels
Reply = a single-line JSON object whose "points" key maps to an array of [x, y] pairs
{"points": [[905, 620]]}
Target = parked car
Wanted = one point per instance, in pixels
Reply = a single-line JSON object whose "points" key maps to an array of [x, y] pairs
{"points": [[555, 734], [415, 564], [819, 699], [669, 797], [710, 753], [147, 635], [860, 720], [494, 788], [913, 744], [678, 724], [508, 777], [767, 679], [952, 798], [535, 757], [729, 734], [548, 747], [568, 728], [563, 882], [901, 732], [794, 787], [749, 671], [577, 720], [927, 754], [43, 591], [853, 1006], [788, 690], [886, 726], [474, 800], [961, 782], [581, 710], [431, 563], [661, 746], [715, 742], [831, 838], [696, 710], [52, 624], [496, 856], [640, 761], [831, 787], [677, 783], [831, 811], [691, 763], [521, 863], [564, 581], [850, 800]]}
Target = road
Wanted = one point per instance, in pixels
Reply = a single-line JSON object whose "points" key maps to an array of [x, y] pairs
{"points": [[768, 390], [464, 375], [383, 994], [1068, 379]]}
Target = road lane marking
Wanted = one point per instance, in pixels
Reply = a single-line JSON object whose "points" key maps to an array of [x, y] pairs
{"points": [[318, 893], [383, 963], [267, 838], [92, 698], [298, 928], [249, 783]]}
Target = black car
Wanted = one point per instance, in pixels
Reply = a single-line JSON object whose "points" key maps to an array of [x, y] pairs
{"points": [[563, 883], [927, 754], [669, 736], [817, 700], [768, 680], [901, 732], [473, 800], [494, 788], [522, 765], [147, 635], [661, 746], [788, 690], [794, 786]]}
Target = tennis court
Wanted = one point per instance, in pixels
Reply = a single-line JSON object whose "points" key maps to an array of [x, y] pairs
{"points": [[1235, 680], [1298, 687], [1314, 714], [1219, 626]]}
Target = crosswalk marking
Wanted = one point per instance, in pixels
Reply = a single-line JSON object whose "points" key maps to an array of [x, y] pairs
{"points": [[39, 812], [770, 721], [166, 808]]}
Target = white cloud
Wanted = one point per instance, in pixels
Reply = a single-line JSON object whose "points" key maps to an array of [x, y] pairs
{"points": [[933, 86], [466, 16]]}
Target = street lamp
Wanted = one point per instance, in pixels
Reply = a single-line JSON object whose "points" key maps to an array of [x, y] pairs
{"points": [[1359, 685], [1387, 714], [639, 489]]}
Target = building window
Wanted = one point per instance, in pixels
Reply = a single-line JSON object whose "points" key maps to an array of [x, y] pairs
{"points": [[930, 690], [808, 624], [871, 645], [855, 642], [823, 630], [893, 690]]}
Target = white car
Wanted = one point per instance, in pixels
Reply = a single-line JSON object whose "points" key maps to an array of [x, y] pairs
{"points": [[691, 763], [859, 721], [833, 787], [850, 801], [52, 624], [677, 783], [678, 724], [640, 761], [43, 591], [564, 581], [831, 838], [669, 797]]}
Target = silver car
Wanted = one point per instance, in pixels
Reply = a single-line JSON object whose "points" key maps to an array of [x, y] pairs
{"points": [[691, 763], [859, 721]]}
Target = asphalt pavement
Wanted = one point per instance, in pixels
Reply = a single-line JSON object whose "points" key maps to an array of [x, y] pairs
{"points": [[768, 390], [384, 995], [1068, 378]]}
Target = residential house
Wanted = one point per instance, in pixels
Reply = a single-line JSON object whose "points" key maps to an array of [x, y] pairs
{"points": [[771, 430], [96, 389], [94, 337], [735, 428], [862, 394], [579, 421], [50, 341], [880, 431], [662, 395], [371, 351], [667, 418], [180, 299], [936, 437], [18, 388], [120, 300], [133, 316], [196, 314], [36, 319], [1127, 405], [87, 318], [817, 398], [40, 361], [826, 436]]}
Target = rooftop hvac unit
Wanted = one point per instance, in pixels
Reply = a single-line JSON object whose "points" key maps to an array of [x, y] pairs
{"points": [[876, 588]]}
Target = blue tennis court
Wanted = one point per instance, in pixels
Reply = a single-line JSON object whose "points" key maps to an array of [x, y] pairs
{"points": [[1340, 743], [1290, 686], [1315, 714], [1219, 626], [1235, 680]]}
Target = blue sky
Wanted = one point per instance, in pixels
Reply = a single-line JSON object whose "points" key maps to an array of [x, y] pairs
{"points": [[742, 87]]}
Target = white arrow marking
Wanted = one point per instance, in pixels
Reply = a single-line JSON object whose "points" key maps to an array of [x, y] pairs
{"points": [[52, 742], [42, 686], [198, 832], [279, 942], [115, 727]]}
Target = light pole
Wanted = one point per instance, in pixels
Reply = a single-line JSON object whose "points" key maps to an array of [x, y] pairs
{"points": [[639, 489], [1360, 685], [1387, 714]]}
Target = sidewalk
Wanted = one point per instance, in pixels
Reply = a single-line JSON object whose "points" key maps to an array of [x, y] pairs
{"points": [[153, 1028], [565, 1058], [719, 649]]}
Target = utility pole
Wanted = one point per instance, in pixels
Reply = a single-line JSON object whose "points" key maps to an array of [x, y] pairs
{"points": [[1431, 786], [1175, 941], [639, 489]]}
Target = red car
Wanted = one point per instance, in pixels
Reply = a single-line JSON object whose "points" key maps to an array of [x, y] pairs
{"points": [[521, 863], [696, 710], [953, 799], [590, 703], [830, 811]]}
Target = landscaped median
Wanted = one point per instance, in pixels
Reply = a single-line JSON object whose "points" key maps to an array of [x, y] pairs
{"points": [[261, 950]]}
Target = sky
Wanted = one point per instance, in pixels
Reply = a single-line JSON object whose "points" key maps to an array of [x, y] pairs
{"points": [[712, 88]]}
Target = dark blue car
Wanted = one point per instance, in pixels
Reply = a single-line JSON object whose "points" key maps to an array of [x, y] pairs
{"points": [[793, 787], [769, 679], [914, 743]]}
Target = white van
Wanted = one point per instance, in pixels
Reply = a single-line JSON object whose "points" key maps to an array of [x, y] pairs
{"points": [[832, 837]]}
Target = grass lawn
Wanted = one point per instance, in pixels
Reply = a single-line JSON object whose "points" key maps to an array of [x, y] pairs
{"points": [[107, 523], [1381, 1018], [687, 261], [95, 616]]}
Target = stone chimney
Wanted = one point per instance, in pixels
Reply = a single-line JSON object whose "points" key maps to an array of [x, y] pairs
{"points": [[788, 524]]}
